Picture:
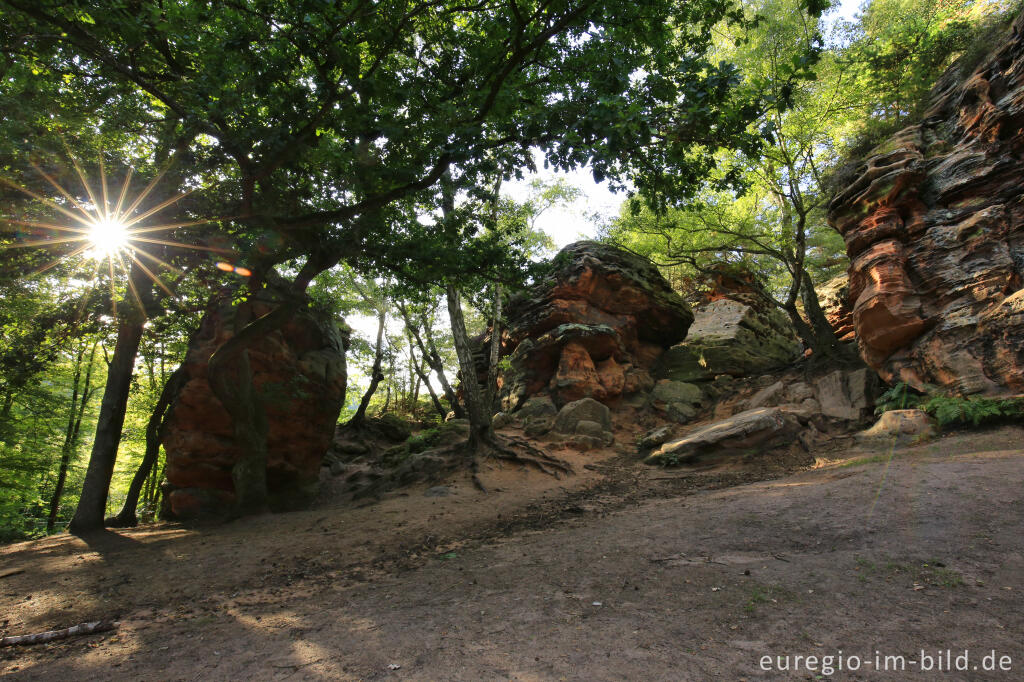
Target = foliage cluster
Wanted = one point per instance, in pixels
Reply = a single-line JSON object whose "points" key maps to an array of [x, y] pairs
{"points": [[951, 410]]}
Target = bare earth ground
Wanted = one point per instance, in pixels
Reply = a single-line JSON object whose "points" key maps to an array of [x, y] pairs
{"points": [[621, 572]]}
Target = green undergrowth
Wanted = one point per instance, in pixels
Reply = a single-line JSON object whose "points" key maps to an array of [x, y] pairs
{"points": [[952, 410]]}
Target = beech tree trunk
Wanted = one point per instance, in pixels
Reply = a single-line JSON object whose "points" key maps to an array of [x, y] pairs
{"points": [[480, 431], [92, 505], [128, 517], [491, 390], [376, 375], [425, 379]]}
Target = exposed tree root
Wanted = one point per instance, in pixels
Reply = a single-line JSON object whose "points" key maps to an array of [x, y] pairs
{"points": [[507, 448]]}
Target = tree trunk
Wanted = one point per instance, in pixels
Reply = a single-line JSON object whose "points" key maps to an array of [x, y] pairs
{"points": [[491, 390], [71, 434], [127, 517], [824, 334], [376, 375], [92, 505], [480, 431], [425, 378]]}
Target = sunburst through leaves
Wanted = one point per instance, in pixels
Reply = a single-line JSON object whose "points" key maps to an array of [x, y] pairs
{"points": [[112, 231]]}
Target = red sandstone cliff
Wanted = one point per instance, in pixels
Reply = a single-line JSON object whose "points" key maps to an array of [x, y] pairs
{"points": [[934, 227]]}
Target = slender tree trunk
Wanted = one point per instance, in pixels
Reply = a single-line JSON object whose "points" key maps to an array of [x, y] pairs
{"points": [[491, 390], [5, 416], [71, 434], [480, 431], [376, 374], [425, 379], [154, 431], [432, 358], [438, 366], [92, 505]]}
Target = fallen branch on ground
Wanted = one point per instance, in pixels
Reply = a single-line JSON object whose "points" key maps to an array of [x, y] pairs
{"points": [[73, 631]]}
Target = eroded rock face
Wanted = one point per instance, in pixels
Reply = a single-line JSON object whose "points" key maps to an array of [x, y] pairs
{"points": [[731, 336], [594, 328], [300, 372], [934, 227]]}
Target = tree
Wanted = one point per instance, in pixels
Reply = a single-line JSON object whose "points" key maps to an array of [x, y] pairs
{"points": [[328, 123]]}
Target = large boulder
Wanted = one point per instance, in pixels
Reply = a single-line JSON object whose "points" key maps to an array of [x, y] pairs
{"points": [[583, 410], [594, 327], [299, 372], [731, 336], [763, 428], [934, 227]]}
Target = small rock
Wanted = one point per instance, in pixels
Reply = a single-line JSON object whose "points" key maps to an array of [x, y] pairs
{"points": [[437, 491], [903, 426], [655, 437]]}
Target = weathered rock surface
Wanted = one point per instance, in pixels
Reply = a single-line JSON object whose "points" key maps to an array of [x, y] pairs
{"points": [[763, 428], [593, 328], [731, 336], [934, 227], [902, 426], [676, 399], [583, 410], [298, 370], [834, 298]]}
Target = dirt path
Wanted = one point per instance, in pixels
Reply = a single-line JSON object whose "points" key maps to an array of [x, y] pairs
{"points": [[620, 573]]}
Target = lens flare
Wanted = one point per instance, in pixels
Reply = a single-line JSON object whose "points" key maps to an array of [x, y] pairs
{"points": [[117, 234], [108, 237]]}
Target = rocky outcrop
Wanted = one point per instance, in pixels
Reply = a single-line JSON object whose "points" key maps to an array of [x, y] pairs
{"points": [[934, 227], [299, 372], [731, 335], [834, 298], [593, 328], [763, 428]]}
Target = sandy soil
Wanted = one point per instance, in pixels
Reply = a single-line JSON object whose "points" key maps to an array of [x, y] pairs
{"points": [[620, 572]]}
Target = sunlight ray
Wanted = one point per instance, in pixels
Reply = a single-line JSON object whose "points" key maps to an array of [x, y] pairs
{"points": [[92, 288], [55, 261], [49, 202], [45, 242], [157, 208], [47, 226], [150, 240], [105, 213], [113, 295], [147, 254], [156, 280], [124, 193], [63, 192], [168, 226], [131, 287], [85, 182], [145, 192]]}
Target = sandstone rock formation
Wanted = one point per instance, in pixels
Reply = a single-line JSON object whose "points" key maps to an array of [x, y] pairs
{"points": [[731, 335], [934, 227], [299, 371], [593, 328], [763, 428], [902, 426]]}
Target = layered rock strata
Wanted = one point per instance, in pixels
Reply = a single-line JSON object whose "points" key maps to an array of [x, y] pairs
{"points": [[593, 328], [934, 226]]}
